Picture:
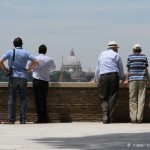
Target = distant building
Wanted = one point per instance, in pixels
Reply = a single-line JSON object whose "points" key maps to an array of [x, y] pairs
{"points": [[73, 66]]}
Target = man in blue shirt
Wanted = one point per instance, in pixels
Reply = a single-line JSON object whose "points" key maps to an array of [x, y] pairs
{"points": [[17, 61], [137, 76], [108, 71]]}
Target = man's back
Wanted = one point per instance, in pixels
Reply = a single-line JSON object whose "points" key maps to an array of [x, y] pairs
{"points": [[46, 64], [137, 64], [20, 61], [108, 61]]}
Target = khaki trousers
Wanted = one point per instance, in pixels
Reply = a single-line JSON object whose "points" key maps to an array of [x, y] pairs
{"points": [[137, 92]]}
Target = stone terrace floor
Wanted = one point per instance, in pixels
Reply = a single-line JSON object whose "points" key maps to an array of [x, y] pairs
{"points": [[75, 136]]}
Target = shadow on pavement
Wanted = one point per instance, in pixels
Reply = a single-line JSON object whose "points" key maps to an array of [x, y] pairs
{"points": [[119, 141]]}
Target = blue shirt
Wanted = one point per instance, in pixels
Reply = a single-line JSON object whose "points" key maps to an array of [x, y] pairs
{"points": [[19, 64], [109, 61], [45, 65], [137, 64]]}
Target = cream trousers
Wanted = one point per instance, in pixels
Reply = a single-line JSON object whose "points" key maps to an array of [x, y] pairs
{"points": [[137, 92]]}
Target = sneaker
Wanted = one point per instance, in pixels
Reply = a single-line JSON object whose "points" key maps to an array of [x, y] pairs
{"points": [[22, 122], [133, 121], [42, 121], [111, 121], [105, 119], [10, 122], [139, 121]]}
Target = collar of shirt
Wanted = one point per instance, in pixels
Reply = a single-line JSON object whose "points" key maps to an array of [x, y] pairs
{"points": [[18, 47], [41, 55]]}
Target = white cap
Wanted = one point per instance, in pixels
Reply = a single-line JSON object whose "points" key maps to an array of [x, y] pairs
{"points": [[137, 46], [112, 44]]}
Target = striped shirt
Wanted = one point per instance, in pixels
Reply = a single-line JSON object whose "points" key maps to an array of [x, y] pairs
{"points": [[137, 64]]}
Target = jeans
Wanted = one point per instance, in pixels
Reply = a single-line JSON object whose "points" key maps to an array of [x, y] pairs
{"points": [[20, 84], [40, 91]]}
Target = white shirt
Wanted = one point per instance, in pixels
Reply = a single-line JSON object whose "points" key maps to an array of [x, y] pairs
{"points": [[45, 65], [109, 61]]}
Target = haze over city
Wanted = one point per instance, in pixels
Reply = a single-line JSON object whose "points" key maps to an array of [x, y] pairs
{"points": [[84, 25]]}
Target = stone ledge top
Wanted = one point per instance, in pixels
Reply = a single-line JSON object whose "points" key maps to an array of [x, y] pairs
{"points": [[61, 84], [66, 84], [73, 84]]}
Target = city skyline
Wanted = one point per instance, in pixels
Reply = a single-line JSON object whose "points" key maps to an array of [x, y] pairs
{"points": [[84, 25]]}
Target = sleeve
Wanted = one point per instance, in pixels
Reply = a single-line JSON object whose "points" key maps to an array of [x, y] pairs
{"points": [[121, 70], [5, 56], [97, 71], [128, 62], [146, 62], [52, 65], [30, 57]]}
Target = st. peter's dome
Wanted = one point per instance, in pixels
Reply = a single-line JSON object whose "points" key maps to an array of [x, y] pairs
{"points": [[72, 63], [72, 60]]}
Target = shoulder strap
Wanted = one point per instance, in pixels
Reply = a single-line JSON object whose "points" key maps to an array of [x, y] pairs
{"points": [[13, 54]]}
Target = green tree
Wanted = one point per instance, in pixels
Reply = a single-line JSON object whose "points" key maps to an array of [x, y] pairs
{"points": [[89, 76], [54, 76]]}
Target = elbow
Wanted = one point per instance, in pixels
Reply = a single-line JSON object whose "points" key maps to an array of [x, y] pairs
{"points": [[1, 61], [36, 62]]}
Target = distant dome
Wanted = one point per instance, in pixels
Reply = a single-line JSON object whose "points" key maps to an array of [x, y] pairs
{"points": [[70, 70], [72, 60]]}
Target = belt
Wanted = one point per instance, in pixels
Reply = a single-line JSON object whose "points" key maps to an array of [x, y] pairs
{"points": [[110, 73], [34, 79]]}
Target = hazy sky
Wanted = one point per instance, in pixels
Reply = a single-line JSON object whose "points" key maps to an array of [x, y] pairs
{"points": [[84, 25]]}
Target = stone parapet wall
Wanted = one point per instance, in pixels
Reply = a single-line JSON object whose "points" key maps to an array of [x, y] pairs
{"points": [[72, 101]]}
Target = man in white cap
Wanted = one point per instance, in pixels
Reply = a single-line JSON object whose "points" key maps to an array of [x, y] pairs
{"points": [[137, 77], [108, 71]]}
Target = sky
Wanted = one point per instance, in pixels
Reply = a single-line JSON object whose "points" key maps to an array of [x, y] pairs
{"points": [[84, 25]]}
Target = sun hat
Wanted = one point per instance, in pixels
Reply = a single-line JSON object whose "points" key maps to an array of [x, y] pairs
{"points": [[137, 46], [112, 44]]}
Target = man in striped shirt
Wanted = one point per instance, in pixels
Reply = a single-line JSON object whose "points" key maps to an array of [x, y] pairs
{"points": [[137, 77]]}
